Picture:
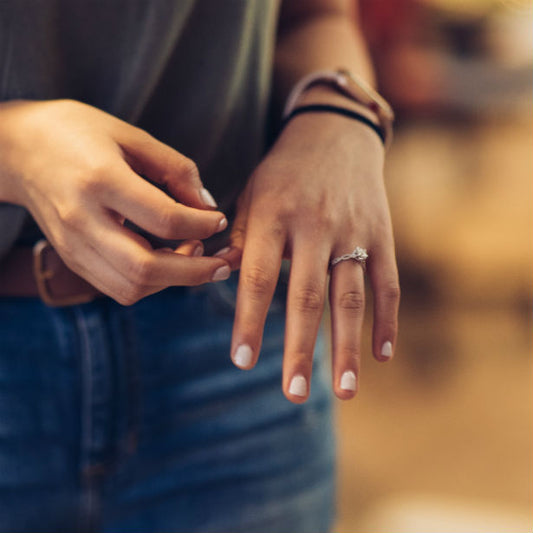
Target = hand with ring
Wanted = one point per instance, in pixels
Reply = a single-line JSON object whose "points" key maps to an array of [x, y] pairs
{"points": [[318, 194]]}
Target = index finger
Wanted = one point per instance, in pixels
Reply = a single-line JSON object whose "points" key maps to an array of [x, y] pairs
{"points": [[148, 207], [261, 263]]}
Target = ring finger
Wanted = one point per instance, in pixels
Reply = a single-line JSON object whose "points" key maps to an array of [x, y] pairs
{"points": [[347, 302]]}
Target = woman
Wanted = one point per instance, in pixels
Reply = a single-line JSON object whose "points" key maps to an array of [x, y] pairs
{"points": [[132, 418]]}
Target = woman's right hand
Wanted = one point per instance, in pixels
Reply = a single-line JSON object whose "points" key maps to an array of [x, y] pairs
{"points": [[78, 171]]}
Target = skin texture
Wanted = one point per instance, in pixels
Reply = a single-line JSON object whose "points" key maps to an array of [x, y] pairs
{"points": [[84, 181], [317, 194]]}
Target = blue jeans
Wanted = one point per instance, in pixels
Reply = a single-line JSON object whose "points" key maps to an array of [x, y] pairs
{"points": [[133, 419]]}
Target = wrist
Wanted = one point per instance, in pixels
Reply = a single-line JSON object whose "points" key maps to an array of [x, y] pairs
{"points": [[350, 87], [323, 94]]}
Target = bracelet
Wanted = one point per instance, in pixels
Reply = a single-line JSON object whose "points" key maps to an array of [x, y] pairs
{"points": [[324, 108], [351, 86]]}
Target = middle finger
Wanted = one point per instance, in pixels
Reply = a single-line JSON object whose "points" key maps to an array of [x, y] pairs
{"points": [[305, 306], [347, 301]]}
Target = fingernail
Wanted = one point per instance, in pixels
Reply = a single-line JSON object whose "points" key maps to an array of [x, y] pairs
{"points": [[298, 386], [243, 356], [222, 251], [221, 273], [222, 225], [198, 251], [348, 381], [386, 349], [207, 199]]}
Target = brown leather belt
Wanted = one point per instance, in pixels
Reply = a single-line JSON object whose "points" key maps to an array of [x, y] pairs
{"points": [[40, 272]]}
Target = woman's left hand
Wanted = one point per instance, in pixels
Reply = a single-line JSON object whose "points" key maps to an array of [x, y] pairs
{"points": [[317, 195]]}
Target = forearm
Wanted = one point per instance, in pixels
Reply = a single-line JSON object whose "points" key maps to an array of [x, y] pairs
{"points": [[317, 35]]}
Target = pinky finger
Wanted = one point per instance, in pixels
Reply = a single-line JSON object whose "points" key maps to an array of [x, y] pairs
{"points": [[104, 277], [386, 289]]}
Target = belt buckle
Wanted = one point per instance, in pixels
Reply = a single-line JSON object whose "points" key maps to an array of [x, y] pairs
{"points": [[44, 275]]}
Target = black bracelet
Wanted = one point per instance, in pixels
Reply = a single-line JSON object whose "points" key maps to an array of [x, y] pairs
{"points": [[323, 108]]}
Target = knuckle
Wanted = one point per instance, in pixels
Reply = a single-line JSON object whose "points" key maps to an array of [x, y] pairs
{"points": [[309, 299], [257, 281], [130, 295], [287, 209], [327, 219], [169, 223], [277, 228], [70, 217], [94, 178], [124, 299], [141, 138], [140, 272], [142, 134], [391, 292], [189, 170], [352, 301]]}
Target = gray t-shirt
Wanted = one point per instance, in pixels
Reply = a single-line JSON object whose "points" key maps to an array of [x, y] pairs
{"points": [[196, 74]]}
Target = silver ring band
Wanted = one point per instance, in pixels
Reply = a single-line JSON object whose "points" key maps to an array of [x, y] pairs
{"points": [[359, 255]]}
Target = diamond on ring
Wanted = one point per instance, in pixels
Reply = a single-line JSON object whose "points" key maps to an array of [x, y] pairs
{"points": [[359, 255]]}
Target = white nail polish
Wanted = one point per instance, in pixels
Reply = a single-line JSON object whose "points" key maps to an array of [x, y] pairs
{"points": [[348, 381], [221, 273], [222, 225], [198, 251], [243, 356], [222, 251], [207, 199], [386, 349], [298, 386]]}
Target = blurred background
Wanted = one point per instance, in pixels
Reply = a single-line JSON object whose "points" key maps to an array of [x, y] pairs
{"points": [[441, 439]]}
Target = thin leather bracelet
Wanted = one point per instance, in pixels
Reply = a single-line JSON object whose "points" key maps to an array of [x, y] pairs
{"points": [[324, 108]]}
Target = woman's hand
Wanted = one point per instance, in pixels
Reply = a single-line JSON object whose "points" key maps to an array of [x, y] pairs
{"points": [[78, 171], [317, 195]]}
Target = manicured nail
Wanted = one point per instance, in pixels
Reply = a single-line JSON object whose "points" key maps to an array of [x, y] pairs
{"points": [[298, 386], [221, 273], [222, 251], [348, 381], [243, 356], [222, 225], [207, 199], [198, 251], [386, 349]]}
